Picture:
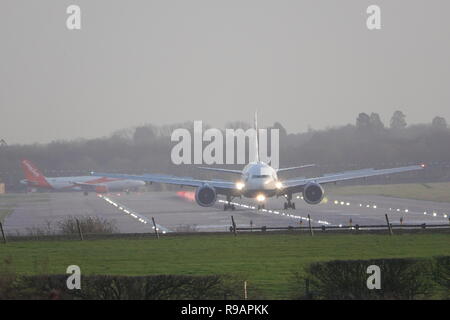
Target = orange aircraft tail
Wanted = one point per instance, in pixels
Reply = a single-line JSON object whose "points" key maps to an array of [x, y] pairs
{"points": [[33, 175]]}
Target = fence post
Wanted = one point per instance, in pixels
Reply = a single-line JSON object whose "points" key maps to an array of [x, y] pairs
{"points": [[307, 290], [234, 225], [300, 225], [3, 233], [245, 290], [154, 227], [310, 227], [79, 229], [389, 225]]}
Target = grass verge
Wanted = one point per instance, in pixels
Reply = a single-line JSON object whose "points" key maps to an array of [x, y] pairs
{"points": [[267, 261]]}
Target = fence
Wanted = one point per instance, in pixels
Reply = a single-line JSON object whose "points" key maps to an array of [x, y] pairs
{"points": [[356, 229]]}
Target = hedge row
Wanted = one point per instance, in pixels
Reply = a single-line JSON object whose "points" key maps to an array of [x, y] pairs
{"points": [[154, 287], [400, 279]]}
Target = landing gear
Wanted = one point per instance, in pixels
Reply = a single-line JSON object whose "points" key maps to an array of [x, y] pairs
{"points": [[261, 206], [289, 204], [228, 205]]}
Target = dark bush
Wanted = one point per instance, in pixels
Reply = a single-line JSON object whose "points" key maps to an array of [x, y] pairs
{"points": [[400, 279], [106, 287], [89, 225], [441, 272], [7, 279]]}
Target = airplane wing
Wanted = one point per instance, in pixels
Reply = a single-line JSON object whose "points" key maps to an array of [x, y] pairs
{"points": [[293, 168], [221, 186], [221, 170], [296, 185]]}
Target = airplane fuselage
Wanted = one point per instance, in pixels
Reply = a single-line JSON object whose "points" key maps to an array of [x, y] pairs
{"points": [[258, 178], [70, 183]]}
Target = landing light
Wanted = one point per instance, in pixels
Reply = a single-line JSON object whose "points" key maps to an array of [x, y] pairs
{"points": [[260, 197], [240, 185], [278, 185]]}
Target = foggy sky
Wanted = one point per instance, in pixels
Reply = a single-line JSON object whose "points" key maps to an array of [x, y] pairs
{"points": [[303, 63]]}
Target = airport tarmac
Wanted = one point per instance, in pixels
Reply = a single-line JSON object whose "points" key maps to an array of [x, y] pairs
{"points": [[178, 212]]}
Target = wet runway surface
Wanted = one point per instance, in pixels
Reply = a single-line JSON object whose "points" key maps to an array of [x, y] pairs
{"points": [[176, 211]]}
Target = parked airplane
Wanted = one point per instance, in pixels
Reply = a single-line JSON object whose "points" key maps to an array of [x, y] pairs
{"points": [[35, 179], [258, 180]]}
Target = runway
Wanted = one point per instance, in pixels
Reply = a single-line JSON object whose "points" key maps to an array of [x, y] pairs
{"points": [[178, 212]]}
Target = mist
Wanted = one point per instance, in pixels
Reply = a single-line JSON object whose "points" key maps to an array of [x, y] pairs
{"points": [[305, 64]]}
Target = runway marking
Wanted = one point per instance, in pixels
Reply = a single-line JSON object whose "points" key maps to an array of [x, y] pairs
{"points": [[190, 196], [394, 210], [280, 213], [133, 214]]}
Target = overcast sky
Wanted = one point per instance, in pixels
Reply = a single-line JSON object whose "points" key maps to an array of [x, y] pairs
{"points": [[303, 63]]}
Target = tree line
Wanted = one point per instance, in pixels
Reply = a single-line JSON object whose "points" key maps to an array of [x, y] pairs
{"points": [[367, 142]]}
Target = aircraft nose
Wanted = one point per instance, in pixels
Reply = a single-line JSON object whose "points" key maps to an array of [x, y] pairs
{"points": [[267, 184], [262, 184]]}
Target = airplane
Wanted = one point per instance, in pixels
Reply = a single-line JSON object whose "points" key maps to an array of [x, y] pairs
{"points": [[35, 179], [259, 181]]}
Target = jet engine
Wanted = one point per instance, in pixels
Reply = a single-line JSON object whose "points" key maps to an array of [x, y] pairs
{"points": [[205, 196], [313, 193]]}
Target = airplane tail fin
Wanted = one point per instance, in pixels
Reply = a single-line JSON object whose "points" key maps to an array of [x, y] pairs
{"points": [[257, 136], [33, 175]]}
